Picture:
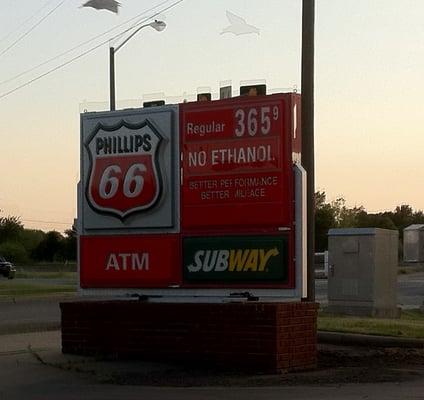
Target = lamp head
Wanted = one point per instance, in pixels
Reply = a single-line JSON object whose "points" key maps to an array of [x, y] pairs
{"points": [[158, 25]]}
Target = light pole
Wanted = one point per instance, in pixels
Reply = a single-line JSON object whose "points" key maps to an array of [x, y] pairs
{"points": [[157, 25]]}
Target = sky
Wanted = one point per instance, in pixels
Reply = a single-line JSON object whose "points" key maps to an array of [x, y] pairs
{"points": [[369, 58]]}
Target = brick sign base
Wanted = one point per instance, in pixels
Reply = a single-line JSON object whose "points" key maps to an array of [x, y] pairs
{"points": [[257, 337]]}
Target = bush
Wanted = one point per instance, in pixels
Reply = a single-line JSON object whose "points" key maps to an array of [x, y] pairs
{"points": [[14, 252]]}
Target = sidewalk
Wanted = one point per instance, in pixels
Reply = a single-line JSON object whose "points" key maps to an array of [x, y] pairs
{"points": [[38, 341]]}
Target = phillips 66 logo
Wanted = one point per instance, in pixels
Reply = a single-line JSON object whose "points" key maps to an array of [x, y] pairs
{"points": [[124, 175]]}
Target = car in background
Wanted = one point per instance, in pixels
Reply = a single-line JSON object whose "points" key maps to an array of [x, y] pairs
{"points": [[6, 268]]}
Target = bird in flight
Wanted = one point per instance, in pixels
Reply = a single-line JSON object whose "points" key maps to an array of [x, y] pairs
{"points": [[110, 5], [238, 26]]}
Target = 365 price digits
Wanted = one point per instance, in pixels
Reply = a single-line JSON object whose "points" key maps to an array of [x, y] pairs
{"points": [[255, 120]]}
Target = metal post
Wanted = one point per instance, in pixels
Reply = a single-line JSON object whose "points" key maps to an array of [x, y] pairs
{"points": [[112, 77], [308, 159]]}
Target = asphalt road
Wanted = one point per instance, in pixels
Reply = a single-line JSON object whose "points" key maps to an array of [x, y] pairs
{"points": [[410, 290], [22, 315]]}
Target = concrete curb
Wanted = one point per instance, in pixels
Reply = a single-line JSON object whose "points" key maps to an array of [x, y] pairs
{"points": [[355, 339]]}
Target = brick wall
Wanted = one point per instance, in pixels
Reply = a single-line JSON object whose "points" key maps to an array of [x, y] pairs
{"points": [[261, 337]]}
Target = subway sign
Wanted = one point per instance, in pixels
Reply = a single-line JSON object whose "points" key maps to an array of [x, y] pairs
{"points": [[182, 198], [235, 259]]}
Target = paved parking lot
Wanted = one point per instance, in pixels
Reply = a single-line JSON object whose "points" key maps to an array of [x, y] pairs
{"points": [[410, 290]]}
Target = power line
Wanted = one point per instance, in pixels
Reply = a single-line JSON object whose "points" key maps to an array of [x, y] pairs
{"points": [[52, 70], [32, 28], [84, 53], [46, 222], [27, 20], [86, 42]]}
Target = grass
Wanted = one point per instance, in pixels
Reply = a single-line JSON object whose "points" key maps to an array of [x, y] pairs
{"points": [[29, 274], [48, 267], [13, 288], [409, 270], [410, 324]]}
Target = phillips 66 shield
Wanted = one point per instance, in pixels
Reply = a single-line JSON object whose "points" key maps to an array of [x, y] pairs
{"points": [[128, 177], [124, 176]]}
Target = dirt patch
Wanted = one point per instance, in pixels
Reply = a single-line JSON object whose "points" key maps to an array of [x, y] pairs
{"points": [[339, 364]]}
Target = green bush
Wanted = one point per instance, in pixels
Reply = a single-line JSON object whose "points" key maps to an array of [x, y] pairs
{"points": [[14, 252]]}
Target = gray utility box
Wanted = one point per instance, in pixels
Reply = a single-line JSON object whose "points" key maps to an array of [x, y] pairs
{"points": [[413, 243], [362, 276]]}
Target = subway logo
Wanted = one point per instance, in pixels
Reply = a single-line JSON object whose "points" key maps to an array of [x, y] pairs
{"points": [[236, 259]]}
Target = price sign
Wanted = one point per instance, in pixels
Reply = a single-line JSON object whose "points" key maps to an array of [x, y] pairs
{"points": [[237, 164]]}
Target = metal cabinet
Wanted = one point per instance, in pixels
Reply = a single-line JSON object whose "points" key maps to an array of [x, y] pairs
{"points": [[362, 275]]}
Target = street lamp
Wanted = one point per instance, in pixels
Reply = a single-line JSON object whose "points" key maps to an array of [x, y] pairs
{"points": [[157, 25]]}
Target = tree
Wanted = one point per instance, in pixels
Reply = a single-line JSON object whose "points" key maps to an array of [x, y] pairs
{"points": [[380, 220], [10, 228], [69, 244], [31, 238], [14, 252], [337, 215], [346, 217], [325, 219], [332, 215], [50, 248], [402, 217]]}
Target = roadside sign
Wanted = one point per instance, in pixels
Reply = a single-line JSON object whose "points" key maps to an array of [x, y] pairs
{"points": [[129, 261], [225, 260], [128, 170], [236, 164], [191, 199]]}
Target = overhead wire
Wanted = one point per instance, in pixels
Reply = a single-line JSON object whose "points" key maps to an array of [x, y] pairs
{"points": [[46, 222], [32, 16], [85, 43], [27, 32], [3, 95]]}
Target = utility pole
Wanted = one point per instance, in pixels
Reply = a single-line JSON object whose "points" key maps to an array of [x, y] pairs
{"points": [[308, 158]]}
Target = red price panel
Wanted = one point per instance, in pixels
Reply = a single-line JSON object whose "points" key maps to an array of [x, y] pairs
{"points": [[236, 164]]}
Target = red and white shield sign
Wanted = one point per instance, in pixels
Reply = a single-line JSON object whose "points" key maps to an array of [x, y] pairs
{"points": [[124, 170]]}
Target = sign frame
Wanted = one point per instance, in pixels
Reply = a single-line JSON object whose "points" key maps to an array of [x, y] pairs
{"points": [[179, 290]]}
